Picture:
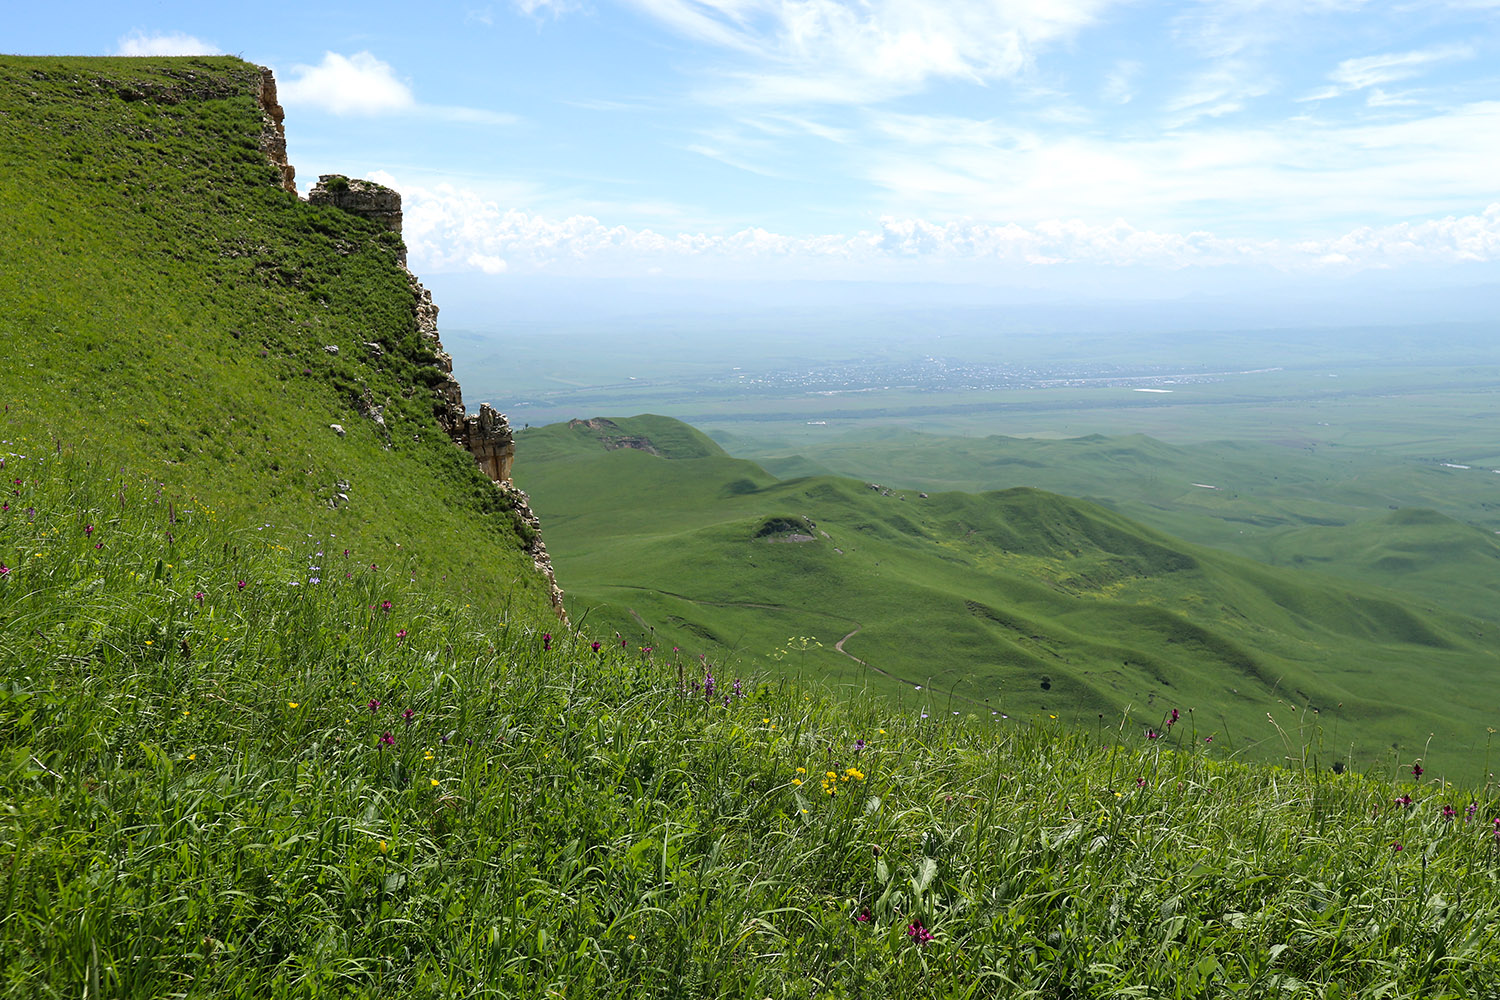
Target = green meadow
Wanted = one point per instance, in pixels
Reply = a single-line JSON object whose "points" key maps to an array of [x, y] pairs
{"points": [[286, 713]]}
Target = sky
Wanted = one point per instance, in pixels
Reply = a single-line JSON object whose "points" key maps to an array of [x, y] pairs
{"points": [[1101, 146]]}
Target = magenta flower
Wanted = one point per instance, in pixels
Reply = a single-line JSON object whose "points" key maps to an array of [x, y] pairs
{"points": [[1395, 847], [407, 716], [386, 739], [594, 645], [241, 585], [385, 606], [374, 705], [4, 570], [546, 640], [88, 530], [199, 598], [918, 933], [1416, 770], [1404, 801], [401, 634], [1449, 812]]}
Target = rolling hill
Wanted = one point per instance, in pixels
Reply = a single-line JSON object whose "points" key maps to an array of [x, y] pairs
{"points": [[1019, 603]]}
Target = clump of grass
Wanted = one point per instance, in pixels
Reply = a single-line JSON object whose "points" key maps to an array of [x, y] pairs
{"points": [[238, 761]]}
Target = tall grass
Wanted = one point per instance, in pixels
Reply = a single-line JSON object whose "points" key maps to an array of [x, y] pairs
{"points": [[332, 781]]}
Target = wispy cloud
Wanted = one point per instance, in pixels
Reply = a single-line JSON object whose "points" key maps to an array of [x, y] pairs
{"points": [[164, 43], [837, 51], [1371, 71]]}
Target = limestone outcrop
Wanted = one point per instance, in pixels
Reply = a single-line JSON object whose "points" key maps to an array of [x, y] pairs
{"points": [[365, 199], [272, 133]]}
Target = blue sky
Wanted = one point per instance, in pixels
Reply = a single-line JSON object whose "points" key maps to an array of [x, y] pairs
{"points": [[986, 141]]}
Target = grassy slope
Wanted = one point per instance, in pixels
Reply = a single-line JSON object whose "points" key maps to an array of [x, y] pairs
{"points": [[1022, 602], [363, 788], [167, 310], [1330, 506]]}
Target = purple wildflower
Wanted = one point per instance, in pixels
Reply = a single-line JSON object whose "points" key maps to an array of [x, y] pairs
{"points": [[546, 641], [88, 530], [918, 933], [408, 715], [387, 740], [1416, 770], [594, 645], [708, 686], [199, 598], [1404, 801], [374, 705]]}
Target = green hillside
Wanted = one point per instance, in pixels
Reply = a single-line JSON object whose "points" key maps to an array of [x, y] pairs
{"points": [[172, 316], [1019, 603], [286, 713]]}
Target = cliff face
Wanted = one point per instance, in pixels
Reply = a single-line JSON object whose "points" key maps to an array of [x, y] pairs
{"points": [[272, 134], [486, 435]]}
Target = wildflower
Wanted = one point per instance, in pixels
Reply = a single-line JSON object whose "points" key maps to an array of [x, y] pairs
{"points": [[546, 641], [386, 739], [88, 530], [384, 847], [401, 634], [708, 686], [1208, 739], [594, 645], [854, 773], [801, 770], [292, 704], [4, 570], [739, 688], [1140, 782], [198, 597], [192, 756], [1416, 770], [1469, 812], [241, 585], [385, 606], [1152, 734], [1449, 812], [435, 782], [859, 745], [408, 715], [918, 933], [796, 781], [863, 916], [1404, 801], [1395, 847], [374, 705]]}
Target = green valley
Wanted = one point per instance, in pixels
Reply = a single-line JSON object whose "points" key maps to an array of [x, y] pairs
{"points": [[1018, 603]]}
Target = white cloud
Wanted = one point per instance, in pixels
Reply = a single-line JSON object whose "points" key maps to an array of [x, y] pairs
{"points": [[1371, 71], [856, 51], [453, 229], [348, 85], [487, 263], [164, 43]]}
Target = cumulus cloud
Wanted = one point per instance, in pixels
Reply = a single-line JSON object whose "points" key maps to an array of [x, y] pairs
{"points": [[348, 85], [453, 229], [164, 43], [854, 51]]}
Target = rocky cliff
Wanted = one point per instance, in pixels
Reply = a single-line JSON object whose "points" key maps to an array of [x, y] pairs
{"points": [[486, 435]]}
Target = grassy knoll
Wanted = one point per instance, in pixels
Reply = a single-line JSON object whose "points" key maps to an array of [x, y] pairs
{"points": [[1018, 603], [222, 778]]}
